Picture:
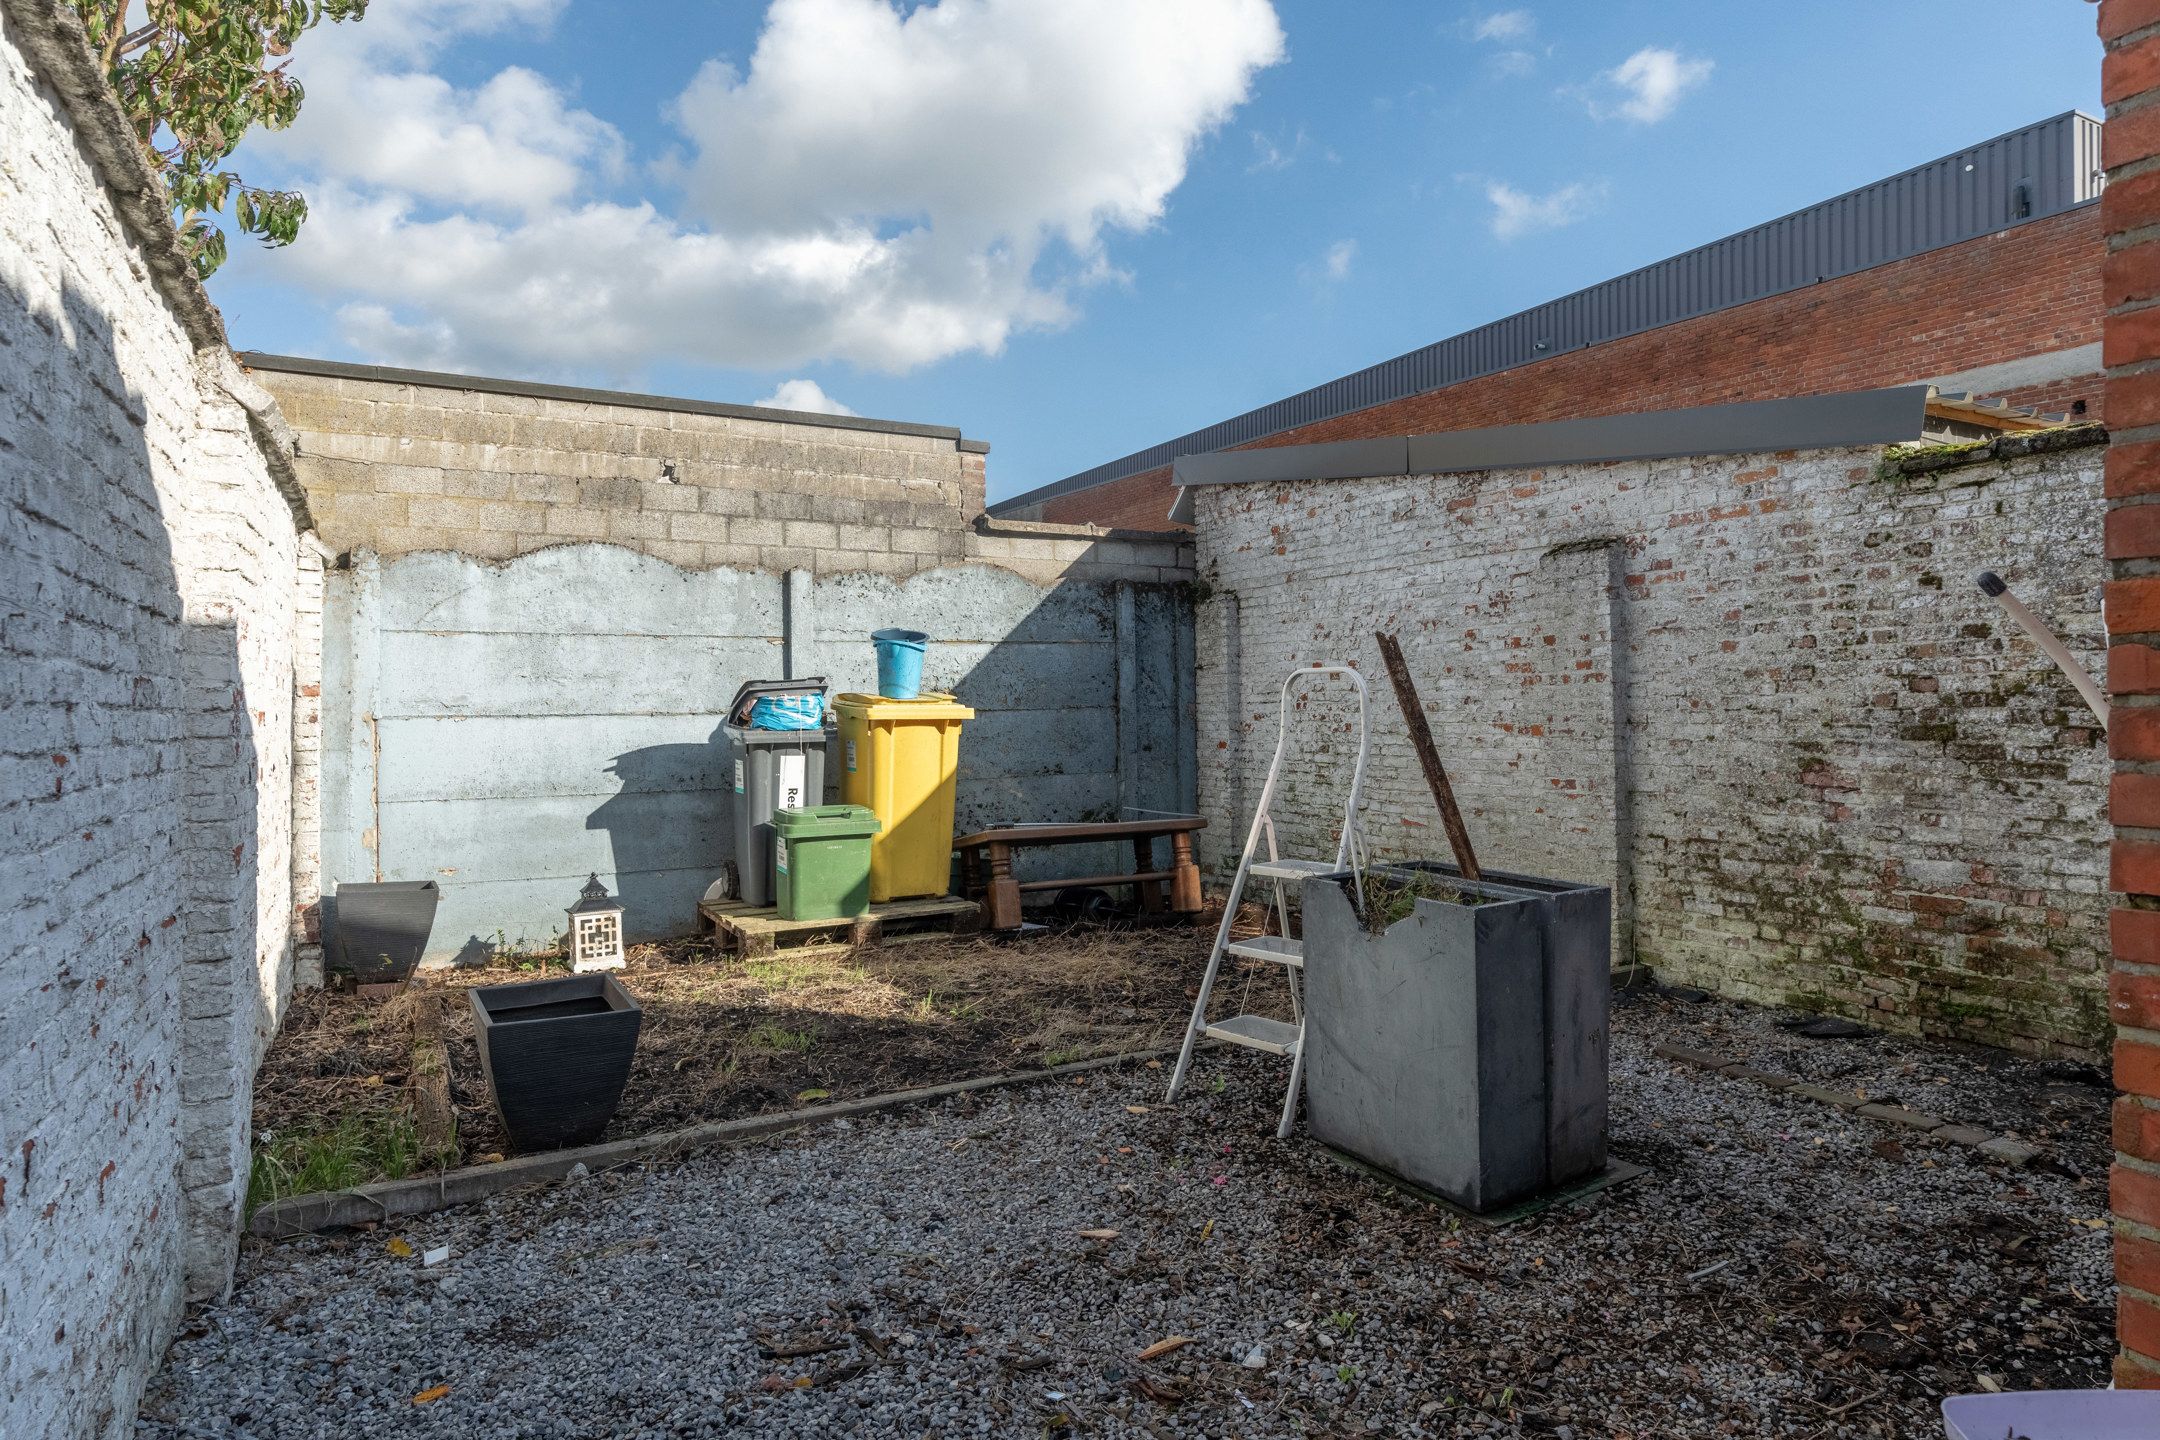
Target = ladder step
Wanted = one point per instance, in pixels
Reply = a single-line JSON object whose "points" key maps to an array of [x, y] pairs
{"points": [[1270, 947], [1291, 869], [1258, 1032]]}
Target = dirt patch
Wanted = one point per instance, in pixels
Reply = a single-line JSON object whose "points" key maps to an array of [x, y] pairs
{"points": [[725, 1038]]}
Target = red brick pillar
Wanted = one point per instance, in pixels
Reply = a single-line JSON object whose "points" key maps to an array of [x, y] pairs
{"points": [[2130, 214]]}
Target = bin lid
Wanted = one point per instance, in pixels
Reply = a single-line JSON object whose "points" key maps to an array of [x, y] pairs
{"points": [[819, 738], [738, 710], [930, 705], [823, 822]]}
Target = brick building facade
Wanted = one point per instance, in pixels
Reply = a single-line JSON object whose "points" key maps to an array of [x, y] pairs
{"points": [[2014, 313], [2130, 220]]}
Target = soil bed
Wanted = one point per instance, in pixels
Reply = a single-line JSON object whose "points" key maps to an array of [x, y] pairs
{"points": [[725, 1038]]}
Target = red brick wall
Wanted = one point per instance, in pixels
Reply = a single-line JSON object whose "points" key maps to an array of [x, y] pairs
{"points": [[2130, 220], [2019, 292]]}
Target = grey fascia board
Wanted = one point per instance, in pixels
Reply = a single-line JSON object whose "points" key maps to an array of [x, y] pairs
{"points": [[1330, 460], [1811, 422], [631, 399]]}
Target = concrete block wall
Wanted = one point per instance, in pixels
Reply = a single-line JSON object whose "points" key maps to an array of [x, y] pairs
{"points": [[147, 601], [546, 597], [2130, 212], [494, 469], [1757, 694]]}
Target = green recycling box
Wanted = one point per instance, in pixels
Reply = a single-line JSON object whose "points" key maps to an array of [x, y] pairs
{"points": [[821, 861]]}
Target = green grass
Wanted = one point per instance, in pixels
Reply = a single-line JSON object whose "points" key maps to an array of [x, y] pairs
{"points": [[787, 973], [358, 1150], [770, 1036], [928, 1008], [1343, 1320]]}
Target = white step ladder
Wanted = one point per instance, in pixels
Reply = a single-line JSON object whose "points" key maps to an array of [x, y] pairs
{"points": [[1259, 1032]]}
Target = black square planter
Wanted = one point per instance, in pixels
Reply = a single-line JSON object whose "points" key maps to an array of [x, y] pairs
{"points": [[379, 930], [557, 1054]]}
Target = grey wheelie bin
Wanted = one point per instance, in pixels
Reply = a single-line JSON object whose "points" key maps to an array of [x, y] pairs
{"points": [[774, 770]]}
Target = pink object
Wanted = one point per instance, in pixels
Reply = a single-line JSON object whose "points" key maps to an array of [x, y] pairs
{"points": [[2054, 1415]]}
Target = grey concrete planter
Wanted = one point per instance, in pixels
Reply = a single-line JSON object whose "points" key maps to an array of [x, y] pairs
{"points": [[1464, 1048], [380, 930], [556, 1054]]}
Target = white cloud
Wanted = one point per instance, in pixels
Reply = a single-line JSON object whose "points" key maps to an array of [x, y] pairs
{"points": [[878, 187], [1512, 62], [1338, 259], [807, 396], [1647, 86], [1507, 26], [1517, 213], [374, 117]]}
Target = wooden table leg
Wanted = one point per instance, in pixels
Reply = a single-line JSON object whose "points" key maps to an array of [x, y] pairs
{"points": [[1002, 900], [1152, 899], [1185, 896]]}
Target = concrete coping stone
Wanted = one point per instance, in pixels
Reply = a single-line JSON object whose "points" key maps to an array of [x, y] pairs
{"points": [[423, 1194], [987, 524], [585, 395], [1899, 1115]]}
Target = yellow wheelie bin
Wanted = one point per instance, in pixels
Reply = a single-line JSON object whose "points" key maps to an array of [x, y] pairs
{"points": [[901, 759]]}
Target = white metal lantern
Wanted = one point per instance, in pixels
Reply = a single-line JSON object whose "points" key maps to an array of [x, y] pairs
{"points": [[595, 930]]}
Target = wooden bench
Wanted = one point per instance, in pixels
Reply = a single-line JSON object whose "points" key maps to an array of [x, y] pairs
{"points": [[986, 872]]}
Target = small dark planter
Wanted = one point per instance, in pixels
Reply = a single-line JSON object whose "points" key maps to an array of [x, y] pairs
{"points": [[381, 930], [1464, 1048], [557, 1054]]}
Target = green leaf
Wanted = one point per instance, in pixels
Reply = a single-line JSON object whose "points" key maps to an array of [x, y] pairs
{"points": [[201, 74]]}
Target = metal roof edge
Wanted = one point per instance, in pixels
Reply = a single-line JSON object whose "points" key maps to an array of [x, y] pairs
{"points": [[493, 385], [1807, 422], [1313, 404]]}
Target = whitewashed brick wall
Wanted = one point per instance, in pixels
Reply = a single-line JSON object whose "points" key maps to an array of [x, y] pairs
{"points": [[1761, 695], [147, 603]]}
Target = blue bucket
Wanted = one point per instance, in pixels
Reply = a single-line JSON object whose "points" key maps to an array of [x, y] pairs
{"points": [[899, 662]]}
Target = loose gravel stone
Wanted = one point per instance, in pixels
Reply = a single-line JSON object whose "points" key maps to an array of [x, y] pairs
{"points": [[1779, 1272]]}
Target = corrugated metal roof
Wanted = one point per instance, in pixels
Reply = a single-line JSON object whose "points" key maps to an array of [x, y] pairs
{"points": [[2028, 174]]}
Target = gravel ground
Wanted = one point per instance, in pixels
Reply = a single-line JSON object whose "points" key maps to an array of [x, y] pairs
{"points": [[1786, 1269]]}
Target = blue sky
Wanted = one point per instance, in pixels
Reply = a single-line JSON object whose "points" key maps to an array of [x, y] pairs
{"points": [[1070, 227]]}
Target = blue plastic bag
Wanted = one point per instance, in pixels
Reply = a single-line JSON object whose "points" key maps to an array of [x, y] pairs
{"points": [[803, 711]]}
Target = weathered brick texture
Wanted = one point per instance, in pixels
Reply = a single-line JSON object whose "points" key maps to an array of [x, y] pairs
{"points": [[146, 610], [2130, 80], [2031, 290], [1760, 695]]}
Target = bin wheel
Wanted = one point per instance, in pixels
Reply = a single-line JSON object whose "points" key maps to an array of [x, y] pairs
{"points": [[1085, 905]]}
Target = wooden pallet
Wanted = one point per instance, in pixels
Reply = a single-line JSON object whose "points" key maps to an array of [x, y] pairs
{"points": [[750, 930]]}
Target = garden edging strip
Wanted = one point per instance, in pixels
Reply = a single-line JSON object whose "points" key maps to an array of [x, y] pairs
{"points": [[422, 1194], [2008, 1149]]}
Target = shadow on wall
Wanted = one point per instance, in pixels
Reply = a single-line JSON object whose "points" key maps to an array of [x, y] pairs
{"points": [[146, 1035], [1080, 715], [667, 827]]}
